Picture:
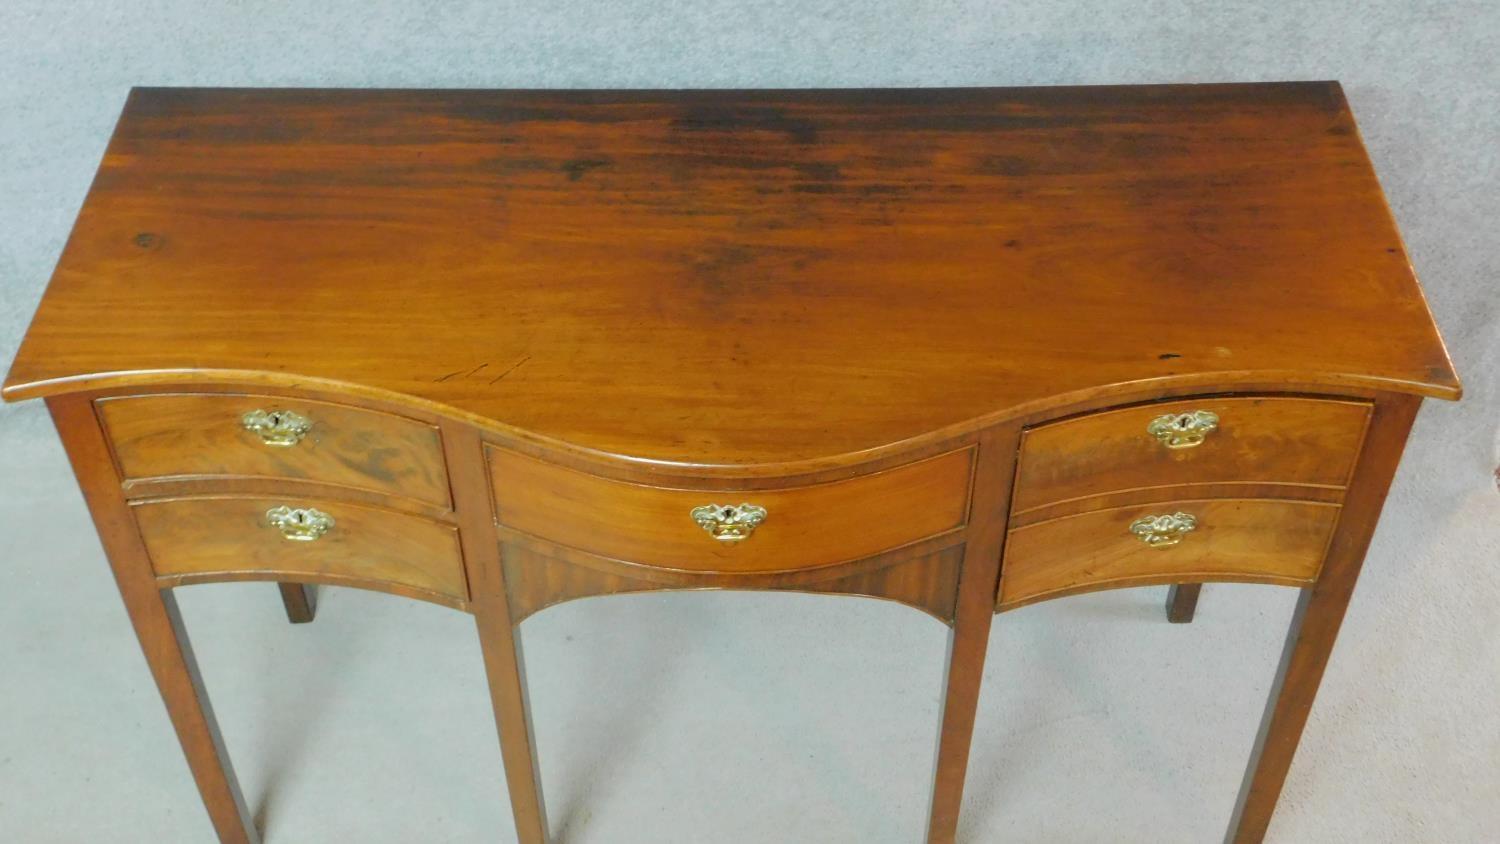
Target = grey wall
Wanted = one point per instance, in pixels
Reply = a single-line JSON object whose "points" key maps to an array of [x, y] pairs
{"points": [[754, 718]]}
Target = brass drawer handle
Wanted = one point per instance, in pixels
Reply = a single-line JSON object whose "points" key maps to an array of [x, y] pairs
{"points": [[1183, 430], [299, 524], [1165, 530], [728, 523], [278, 427]]}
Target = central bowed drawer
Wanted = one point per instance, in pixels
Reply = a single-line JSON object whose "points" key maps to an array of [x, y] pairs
{"points": [[780, 529]]}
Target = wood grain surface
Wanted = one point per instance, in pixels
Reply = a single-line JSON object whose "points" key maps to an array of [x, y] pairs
{"points": [[735, 278], [928, 582]]}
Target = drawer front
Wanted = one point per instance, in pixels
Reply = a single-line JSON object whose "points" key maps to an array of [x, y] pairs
{"points": [[1198, 441], [368, 546], [803, 527], [1230, 539], [206, 435]]}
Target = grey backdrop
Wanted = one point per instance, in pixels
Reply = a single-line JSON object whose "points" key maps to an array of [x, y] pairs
{"points": [[727, 717]]}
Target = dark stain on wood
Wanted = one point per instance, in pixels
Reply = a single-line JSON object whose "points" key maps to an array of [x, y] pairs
{"points": [[576, 168], [743, 118]]}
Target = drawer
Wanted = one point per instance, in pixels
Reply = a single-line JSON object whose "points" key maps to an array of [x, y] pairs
{"points": [[803, 527], [201, 538], [210, 435], [1221, 539], [1198, 441]]}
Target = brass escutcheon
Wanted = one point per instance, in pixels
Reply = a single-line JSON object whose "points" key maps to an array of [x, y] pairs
{"points": [[299, 524], [1183, 430], [728, 523], [277, 427], [1165, 530]]}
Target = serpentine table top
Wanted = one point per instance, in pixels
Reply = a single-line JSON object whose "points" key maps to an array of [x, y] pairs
{"points": [[736, 279]]}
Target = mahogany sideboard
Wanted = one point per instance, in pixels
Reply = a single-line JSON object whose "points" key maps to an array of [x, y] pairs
{"points": [[963, 349]]}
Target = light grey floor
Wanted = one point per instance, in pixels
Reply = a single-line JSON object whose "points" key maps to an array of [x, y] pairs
{"points": [[745, 718]]}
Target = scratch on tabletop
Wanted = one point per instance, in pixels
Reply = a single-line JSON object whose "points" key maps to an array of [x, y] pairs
{"points": [[513, 368]]}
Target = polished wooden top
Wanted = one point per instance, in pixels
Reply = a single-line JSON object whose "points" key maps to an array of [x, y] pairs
{"points": [[731, 277]]}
